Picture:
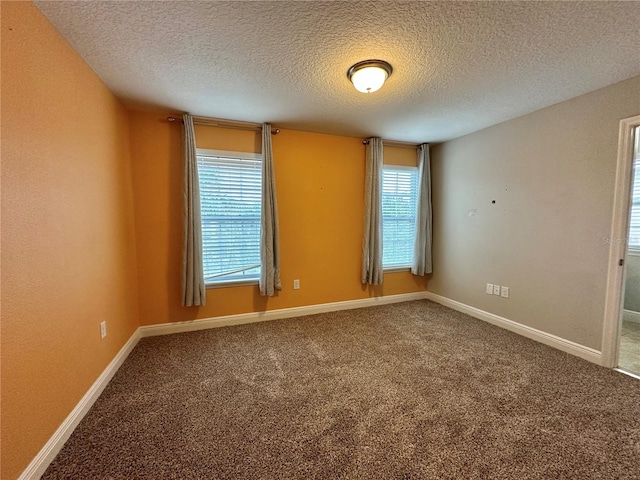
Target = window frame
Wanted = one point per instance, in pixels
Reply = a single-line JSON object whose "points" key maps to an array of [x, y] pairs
{"points": [[399, 268], [206, 152]]}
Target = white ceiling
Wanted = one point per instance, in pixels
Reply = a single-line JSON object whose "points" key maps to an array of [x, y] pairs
{"points": [[458, 66]]}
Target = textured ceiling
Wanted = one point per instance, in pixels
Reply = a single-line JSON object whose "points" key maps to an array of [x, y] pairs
{"points": [[458, 66]]}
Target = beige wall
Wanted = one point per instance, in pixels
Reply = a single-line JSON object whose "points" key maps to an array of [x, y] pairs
{"points": [[551, 174], [68, 252]]}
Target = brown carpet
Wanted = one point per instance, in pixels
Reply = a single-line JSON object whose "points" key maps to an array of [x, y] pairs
{"points": [[403, 391]]}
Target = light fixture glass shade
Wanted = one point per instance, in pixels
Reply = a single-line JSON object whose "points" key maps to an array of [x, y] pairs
{"points": [[370, 75]]}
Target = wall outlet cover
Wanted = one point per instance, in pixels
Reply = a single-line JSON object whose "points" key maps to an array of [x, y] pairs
{"points": [[489, 289], [496, 289], [504, 292]]}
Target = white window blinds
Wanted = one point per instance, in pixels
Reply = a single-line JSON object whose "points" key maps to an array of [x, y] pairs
{"points": [[399, 202], [634, 225], [230, 201]]}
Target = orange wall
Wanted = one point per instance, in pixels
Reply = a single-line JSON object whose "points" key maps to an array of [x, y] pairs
{"points": [[403, 156], [216, 138], [68, 252], [320, 188]]}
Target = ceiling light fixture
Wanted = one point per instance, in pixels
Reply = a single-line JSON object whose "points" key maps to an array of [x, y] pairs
{"points": [[369, 75]]}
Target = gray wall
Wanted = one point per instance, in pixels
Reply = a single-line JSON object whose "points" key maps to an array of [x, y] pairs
{"points": [[551, 174], [632, 287]]}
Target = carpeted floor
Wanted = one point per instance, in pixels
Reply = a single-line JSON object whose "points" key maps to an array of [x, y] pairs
{"points": [[405, 391]]}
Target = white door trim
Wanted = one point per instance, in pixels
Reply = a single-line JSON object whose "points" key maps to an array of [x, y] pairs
{"points": [[617, 243]]}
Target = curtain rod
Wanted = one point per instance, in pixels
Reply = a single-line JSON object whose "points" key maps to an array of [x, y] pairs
{"points": [[217, 122], [392, 143]]}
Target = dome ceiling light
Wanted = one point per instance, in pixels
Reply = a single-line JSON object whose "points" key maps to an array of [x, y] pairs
{"points": [[369, 75]]}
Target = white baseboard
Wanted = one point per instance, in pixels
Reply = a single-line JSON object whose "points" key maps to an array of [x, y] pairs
{"points": [[568, 346], [253, 317], [46, 455], [631, 316]]}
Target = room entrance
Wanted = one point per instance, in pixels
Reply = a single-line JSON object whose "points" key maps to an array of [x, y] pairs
{"points": [[621, 340], [629, 346]]}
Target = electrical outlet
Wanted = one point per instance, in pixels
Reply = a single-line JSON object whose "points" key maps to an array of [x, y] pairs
{"points": [[496, 289], [296, 284], [504, 292], [489, 289], [103, 329]]}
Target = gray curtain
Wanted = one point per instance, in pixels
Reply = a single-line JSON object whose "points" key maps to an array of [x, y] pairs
{"points": [[422, 247], [269, 233], [193, 288], [372, 235]]}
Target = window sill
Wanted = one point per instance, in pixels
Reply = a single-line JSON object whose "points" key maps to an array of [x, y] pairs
{"points": [[232, 283], [396, 269]]}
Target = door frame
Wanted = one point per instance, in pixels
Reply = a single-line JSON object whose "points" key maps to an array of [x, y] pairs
{"points": [[618, 244]]}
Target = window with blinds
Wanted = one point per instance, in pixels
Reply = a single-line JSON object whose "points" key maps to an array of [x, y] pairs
{"points": [[399, 203], [230, 202], [634, 226]]}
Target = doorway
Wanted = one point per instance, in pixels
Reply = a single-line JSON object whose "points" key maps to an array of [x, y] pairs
{"points": [[621, 334], [629, 348]]}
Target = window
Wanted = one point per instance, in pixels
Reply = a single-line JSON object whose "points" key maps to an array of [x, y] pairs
{"points": [[399, 203], [634, 227], [230, 203]]}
